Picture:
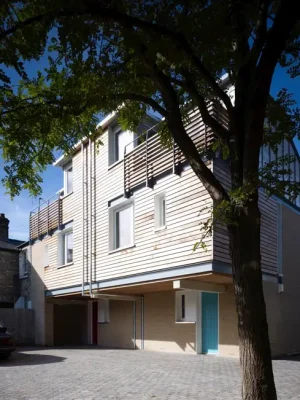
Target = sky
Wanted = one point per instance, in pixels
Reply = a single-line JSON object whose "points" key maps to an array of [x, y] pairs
{"points": [[18, 210]]}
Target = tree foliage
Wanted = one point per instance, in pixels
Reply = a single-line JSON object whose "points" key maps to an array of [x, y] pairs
{"points": [[167, 56], [100, 54]]}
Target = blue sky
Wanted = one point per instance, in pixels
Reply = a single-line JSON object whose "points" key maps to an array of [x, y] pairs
{"points": [[17, 211]]}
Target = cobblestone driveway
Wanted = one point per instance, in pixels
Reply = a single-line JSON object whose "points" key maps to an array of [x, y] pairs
{"points": [[88, 374]]}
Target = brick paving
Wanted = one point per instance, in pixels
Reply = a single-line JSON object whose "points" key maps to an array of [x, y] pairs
{"points": [[89, 374]]}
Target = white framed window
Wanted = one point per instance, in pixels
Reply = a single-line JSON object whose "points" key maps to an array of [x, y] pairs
{"points": [[186, 306], [23, 264], [68, 179], [65, 246], [68, 247], [119, 142], [160, 211], [46, 255], [121, 225], [103, 311]]}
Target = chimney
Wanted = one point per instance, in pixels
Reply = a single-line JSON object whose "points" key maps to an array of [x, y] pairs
{"points": [[4, 222]]}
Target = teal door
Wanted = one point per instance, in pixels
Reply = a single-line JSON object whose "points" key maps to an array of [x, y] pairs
{"points": [[210, 322]]}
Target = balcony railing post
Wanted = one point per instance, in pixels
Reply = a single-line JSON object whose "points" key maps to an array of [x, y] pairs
{"points": [[30, 226], [59, 212], [147, 178], [48, 219], [38, 219], [174, 166], [126, 194]]}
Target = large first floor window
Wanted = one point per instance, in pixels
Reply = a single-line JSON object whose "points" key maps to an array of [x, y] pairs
{"points": [[120, 142], [121, 225]]}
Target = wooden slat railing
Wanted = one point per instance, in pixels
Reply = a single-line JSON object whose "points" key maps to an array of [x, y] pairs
{"points": [[151, 159], [45, 218]]}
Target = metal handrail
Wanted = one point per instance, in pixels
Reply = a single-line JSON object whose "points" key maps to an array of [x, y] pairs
{"points": [[45, 203]]}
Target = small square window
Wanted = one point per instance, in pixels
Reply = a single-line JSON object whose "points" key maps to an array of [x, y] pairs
{"points": [[160, 211], [186, 306]]}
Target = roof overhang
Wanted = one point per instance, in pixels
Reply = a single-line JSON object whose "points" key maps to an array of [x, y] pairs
{"points": [[65, 158]]}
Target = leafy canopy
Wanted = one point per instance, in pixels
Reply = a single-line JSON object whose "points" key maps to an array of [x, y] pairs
{"points": [[159, 55]]}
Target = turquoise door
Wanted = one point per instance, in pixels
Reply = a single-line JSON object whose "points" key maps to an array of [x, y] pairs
{"points": [[210, 321]]}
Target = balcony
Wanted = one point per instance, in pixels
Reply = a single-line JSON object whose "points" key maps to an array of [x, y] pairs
{"points": [[45, 218], [150, 160]]}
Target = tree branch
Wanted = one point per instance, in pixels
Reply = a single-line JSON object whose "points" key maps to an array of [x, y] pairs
{"points": [[141, 99], [287, 16], [260, 32], [92, 7], [207, 118], [183, 140]]}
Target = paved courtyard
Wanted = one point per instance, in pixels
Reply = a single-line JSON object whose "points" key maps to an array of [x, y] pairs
{"points": [[88, 374]]}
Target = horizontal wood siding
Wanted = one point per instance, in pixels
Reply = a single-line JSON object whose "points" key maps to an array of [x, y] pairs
{"points": [[187, 204], [55, 276], [268, 208]]}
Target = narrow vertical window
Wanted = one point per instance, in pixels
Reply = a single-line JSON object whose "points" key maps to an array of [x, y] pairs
{"points": [[160, 211], [68, 247], [183, 307], [68, 179]]}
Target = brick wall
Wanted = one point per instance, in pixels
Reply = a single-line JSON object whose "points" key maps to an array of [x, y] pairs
{"points": [[9, 276]]}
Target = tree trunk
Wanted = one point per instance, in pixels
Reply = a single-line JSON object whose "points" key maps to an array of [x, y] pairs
{"points": [[255, 351]]}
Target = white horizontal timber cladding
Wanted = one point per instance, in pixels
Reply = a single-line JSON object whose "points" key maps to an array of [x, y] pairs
{"points": [[187, 204], [268, 209]]}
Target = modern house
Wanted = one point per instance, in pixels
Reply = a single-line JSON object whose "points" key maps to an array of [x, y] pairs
{"points": [[112, 254]]}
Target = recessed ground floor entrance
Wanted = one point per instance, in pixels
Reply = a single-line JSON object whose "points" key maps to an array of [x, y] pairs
{"points": [[189, 321], [186, 315]]}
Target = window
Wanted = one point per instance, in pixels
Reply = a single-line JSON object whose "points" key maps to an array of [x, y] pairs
{"points": [[46, 255], [186, 306], [68, 247], [23, 264], [119, 143], [103, 311], [121, 225], [65, 246], [68, 179], [160, 211]]}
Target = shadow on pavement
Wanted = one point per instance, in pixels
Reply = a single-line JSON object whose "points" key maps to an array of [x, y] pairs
{"points": [[18, 359]]}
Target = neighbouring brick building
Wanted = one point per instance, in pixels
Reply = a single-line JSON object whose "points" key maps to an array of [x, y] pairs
{"points": [[9, 266]]}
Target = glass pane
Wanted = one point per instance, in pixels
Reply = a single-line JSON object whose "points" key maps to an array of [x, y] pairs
{"points": [[69, 180], [162, 219], [121, 142], [124, 227], [69, 247]]}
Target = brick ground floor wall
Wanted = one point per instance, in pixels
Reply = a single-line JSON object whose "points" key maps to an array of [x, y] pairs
{"points": [[161, 332]]}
